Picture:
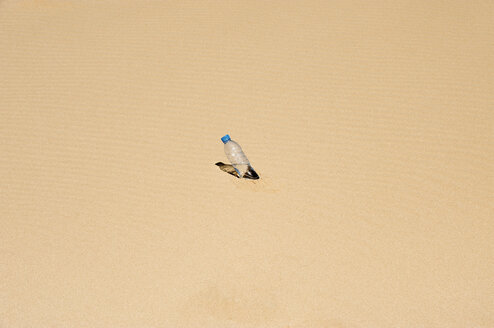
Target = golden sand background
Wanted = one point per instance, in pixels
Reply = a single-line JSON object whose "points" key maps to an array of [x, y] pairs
{"points": [[370, 123]]}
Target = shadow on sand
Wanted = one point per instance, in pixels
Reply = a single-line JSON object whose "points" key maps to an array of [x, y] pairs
{"points": [[251, 174]]}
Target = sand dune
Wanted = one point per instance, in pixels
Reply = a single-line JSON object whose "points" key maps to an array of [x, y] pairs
{"points": [[370, 124]]}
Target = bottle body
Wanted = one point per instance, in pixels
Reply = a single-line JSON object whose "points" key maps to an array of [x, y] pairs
{"points": [[239, 161], [236, 156]]}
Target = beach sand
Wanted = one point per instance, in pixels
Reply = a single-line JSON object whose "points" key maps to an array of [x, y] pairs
{"points": [[370, 124]]}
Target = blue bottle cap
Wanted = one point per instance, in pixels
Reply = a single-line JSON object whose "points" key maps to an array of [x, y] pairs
{"points": [[225, 139]]}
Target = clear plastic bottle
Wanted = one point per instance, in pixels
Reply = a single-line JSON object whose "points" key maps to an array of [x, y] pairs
{"points": [[238, 159]]}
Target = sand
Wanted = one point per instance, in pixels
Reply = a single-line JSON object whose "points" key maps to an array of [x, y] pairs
{"points": [[369, 122]]}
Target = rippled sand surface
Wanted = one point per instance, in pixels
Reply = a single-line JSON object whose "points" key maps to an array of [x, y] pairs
{"points": [[370, 124]]}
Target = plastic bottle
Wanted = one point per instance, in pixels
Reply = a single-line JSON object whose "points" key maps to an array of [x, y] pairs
{"points": [[238, 159]]}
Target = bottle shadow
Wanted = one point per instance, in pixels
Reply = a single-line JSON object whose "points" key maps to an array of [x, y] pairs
{"points": [[227, 168], [251, 174]]}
